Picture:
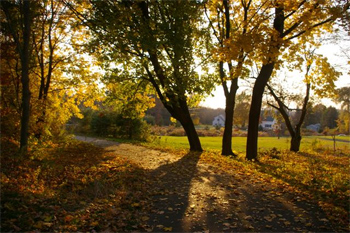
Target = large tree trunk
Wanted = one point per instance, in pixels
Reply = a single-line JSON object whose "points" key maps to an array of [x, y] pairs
{"points": [[173, 99], [183, 115], [258, 90], [295, 142], [192, 136], [179, 111], [255, 109], [229, 111], [25, 78]]}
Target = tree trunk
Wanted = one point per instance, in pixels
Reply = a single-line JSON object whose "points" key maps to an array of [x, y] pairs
{"points": [[229, 111], [179, 110], [230, 96], [25, 79], [183, 115], [258, 90], [255, 109], [295, 142], [192, 136]]}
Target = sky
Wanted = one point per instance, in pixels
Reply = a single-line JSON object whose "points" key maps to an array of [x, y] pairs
{"points": [[335, 52]]}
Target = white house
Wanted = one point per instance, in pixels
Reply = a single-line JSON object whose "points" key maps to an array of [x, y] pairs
{"points": [[314, 127], [219, 121], [268, 123]]}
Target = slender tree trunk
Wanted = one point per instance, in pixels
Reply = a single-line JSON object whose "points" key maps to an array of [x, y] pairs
{"points": [[255, 109], [25, 78], [295, 132], [45, 80], [229, 111], [230, 95], [295, 146]]}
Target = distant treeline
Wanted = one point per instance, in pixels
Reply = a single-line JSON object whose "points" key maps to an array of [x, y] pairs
{"points": [[318, 113]]}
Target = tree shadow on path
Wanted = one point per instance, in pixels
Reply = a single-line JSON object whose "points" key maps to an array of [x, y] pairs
{"points": [[190, 196], [170, 187]]}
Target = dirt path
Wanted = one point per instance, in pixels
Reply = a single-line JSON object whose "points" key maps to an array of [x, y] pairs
{"points": [[189, 195]]}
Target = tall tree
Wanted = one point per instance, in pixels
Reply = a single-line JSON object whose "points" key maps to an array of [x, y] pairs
{"points": [[19, 19], [53, 91], [319, 77], [47, 36], [157, 41], [292, 21], [229, 23]]}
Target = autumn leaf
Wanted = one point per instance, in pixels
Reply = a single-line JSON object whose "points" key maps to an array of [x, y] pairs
{"points": [[68, 218], [167, 229], [93, 224]]}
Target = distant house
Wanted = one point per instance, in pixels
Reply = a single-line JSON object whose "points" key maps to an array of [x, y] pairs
{"points": [[268, 123], [219, 121], [314, 127]]}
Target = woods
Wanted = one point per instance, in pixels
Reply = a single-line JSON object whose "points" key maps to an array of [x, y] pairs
{"points": [[161, 45], [114, 69]]}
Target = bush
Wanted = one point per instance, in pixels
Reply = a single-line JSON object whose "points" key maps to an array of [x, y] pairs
{"points": [[112, 124], [135, 129], [177, 132]]}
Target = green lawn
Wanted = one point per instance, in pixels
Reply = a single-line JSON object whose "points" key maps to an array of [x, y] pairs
{"points": [[239, 143]]}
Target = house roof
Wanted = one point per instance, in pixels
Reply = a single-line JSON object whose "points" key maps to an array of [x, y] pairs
{"points": [[221, 117], [268, 118]]}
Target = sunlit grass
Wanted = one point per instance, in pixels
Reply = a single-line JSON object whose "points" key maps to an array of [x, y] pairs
{"points": [[239, 143]]}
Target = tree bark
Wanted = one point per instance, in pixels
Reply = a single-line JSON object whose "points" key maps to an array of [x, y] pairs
{"points": [[25, 78], [295, 132], [229, 111], [259, 86], [174, 100], [179, 110], [230, 95], [185, 119], [255, 109], [295, 142]]}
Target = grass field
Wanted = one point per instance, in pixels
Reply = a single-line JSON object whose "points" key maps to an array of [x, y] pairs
{"points": [[239, 143]]}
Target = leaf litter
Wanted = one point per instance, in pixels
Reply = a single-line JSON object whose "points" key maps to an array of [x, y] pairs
{"points": [[132, 188]]}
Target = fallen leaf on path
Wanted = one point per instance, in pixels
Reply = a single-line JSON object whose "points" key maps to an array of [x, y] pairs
{"points": [[167, 228]]}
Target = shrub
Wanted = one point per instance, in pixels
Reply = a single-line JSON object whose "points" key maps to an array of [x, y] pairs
{"points": [[113, 124], [177, 132]]}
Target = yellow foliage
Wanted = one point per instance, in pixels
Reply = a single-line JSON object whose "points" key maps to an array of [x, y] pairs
{"points": [[253, 35]]}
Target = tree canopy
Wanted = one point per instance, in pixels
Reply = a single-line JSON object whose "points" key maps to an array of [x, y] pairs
{"points": [[148, 48], [157, 41]]}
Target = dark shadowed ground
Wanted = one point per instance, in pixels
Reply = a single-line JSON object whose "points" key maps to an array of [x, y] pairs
{"points": [[191, 195]]}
